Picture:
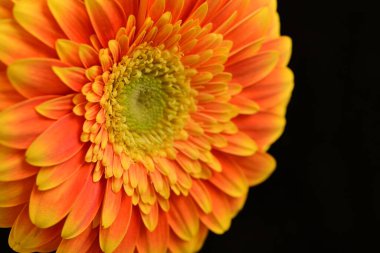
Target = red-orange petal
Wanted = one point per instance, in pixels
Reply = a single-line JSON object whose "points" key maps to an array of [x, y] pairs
{"points": [[201, 196], [68, 52], [256, 168], [107, 17], [219, 220], [35, 17], [249, 29], [175, 8], [239, 144], [74, 77], [56, 108], [151, 219], [283, 45], [35, 77], [176, 244], [254, 69], [58, 143], [129, 7], [8, 95], [6, 9], [20, 124], [16, 43], [231, 179], [26, 237], [182, 218], [156, 241], [110, 238], [13, 166], [88, 56], [50, 177], [72, 17], [8, 215], [47, 208], [84, 209], [263, 127], [128, 244], [16, 192], [273, 90], [81, 243], [111, 206]]}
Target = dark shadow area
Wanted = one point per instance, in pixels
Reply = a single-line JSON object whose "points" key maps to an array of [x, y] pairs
{"points": [[324, 195]]}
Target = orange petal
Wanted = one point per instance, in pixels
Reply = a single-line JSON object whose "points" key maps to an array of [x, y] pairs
{"points": [[6, 7], [182, 218], [74, 77], [156, 9], [151, 219], [231, 180], [273, 90], [187, 164], [256, 168], [283, 45], [156, 241], [111, 206], [68, 52], [110, 238], [47, 208], [56, 108], [72, 17], [84, 209], [176, 244], [35, 17], [221, 10], [200, 12], [8, 95], [175, 8], [236, 204], [58, 143], [88, 56], [219, 220], [263, 127], [201, 196], [13, 166], [8, 215], [26, 237], [15, 192], [254, 69], [16, 43], [129, 7], [107, 17], [128, 244], [249, 29], [50, 177], [20, 124], [245, 52], [246, 105], [95, 248], [35, 77], [81, 243], [239, 144], [194, 245]]}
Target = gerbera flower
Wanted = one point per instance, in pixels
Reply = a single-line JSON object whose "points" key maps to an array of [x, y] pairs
{"points": [[135, 125]]}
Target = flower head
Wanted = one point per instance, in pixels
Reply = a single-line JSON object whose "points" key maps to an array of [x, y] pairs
{"points": [[135, 124]]}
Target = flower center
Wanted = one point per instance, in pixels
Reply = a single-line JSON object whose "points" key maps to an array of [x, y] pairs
{"points": [[144, 103], [147, 103]]}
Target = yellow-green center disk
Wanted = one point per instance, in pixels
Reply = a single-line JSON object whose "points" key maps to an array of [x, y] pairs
{"points": [[144, 102], [148, 102]]}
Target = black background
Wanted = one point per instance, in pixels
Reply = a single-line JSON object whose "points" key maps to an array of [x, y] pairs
{"points": [[324, 195]]}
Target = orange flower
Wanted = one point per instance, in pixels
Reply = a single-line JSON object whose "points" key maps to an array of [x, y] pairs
{"points": [[135, 124]]}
